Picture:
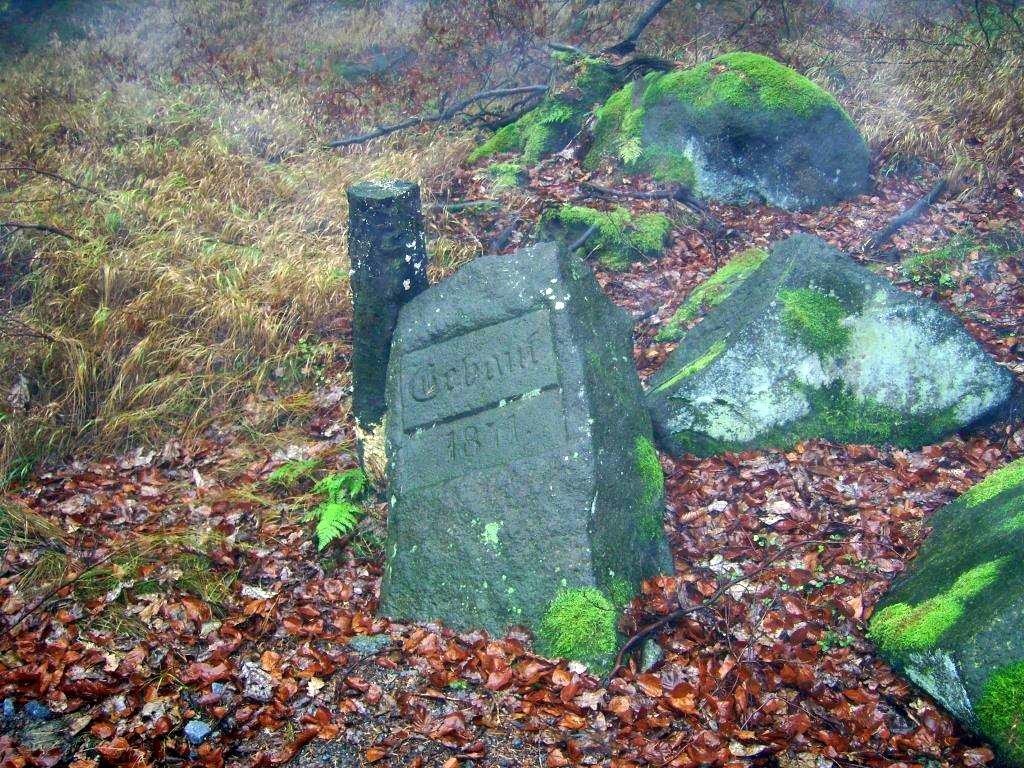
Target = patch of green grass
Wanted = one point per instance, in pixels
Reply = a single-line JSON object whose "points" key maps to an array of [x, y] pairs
{"points": [[931, 266], [900, 628], [1000, 711], [713, 291], [579, 624], [815, 318]]}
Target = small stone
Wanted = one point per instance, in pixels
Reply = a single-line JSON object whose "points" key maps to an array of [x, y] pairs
{"points": [[37, 710], [652, 654], [9, 709], [197, 731], [259, 686], [368, 645]]}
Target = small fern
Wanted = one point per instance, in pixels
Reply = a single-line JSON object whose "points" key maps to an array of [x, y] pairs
{"points": [[338, 514], [351, 484], [291, 472], [334, 520]]}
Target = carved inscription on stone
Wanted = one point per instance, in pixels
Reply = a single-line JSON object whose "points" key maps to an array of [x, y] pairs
{"points": [[478, 370], [481, 399]]}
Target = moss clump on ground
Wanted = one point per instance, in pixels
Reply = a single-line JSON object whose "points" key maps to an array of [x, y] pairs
{"points": [[900, 628], [579, 624], [930, 266], [815, 318], [713, 291], [505, 175], [649, 466], [1001, 480], [697, 365], [620, 237], [1001, 711]]}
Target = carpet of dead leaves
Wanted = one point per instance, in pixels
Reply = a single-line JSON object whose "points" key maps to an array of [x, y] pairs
{"points": [[777, 672]]}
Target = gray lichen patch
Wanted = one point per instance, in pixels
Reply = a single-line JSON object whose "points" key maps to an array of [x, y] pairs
{"points": [[810, 344]]}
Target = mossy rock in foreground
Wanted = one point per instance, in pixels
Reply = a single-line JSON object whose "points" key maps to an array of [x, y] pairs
{"points": [[811, 344], [738, 128], [954, 623], [620, 238]]}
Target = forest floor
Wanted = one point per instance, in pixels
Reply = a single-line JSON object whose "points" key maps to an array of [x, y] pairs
{"points": [[253, 640], [149, 595]]}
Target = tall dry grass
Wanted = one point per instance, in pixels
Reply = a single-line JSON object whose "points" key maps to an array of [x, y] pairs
{"points": [[206, 256]]}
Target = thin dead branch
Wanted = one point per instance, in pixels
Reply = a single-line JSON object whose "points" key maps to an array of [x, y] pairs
{"points": [[882, 236], [438, 117], [49, 229], [50, 175], [678, 193], [628, 43]]}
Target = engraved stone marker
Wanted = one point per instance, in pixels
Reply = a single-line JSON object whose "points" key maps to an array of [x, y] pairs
{"points": [[521, 467], [389, 267]]}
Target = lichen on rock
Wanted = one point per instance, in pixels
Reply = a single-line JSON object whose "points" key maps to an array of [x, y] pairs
{"points": [[811, 344], [620, 238]]}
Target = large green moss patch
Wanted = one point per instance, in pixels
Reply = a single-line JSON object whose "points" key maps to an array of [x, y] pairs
{"points": [[620, 237], [1001, 710]]}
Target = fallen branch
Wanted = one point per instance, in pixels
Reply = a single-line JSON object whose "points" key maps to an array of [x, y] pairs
{"points": [[680, 613], [628, 43], [50, 175], [39, 228], [582, 239], [882, 236], [445, 114]]}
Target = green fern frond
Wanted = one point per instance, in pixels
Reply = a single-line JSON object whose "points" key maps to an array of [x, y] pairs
{"points": [[291, 472], [630, 150], [351, 484], [334, 520]]}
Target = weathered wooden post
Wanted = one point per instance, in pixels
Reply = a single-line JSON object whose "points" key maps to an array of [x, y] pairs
{"points": [[389, 266]]}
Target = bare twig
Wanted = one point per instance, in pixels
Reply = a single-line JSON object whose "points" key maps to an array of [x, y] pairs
{"points": [[680, 613], [38, 227], [882, 236], [628, 44], [445, 114], [582, 239], [50, 175]]}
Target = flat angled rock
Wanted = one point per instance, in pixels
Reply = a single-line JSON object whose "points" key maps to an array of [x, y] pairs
{"points": [[954, 623], [811, 344], [524, 486]]}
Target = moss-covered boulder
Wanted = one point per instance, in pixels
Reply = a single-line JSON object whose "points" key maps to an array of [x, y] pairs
{"points": [[739, 128], [811, 344], [954, 623], [619, 237]]}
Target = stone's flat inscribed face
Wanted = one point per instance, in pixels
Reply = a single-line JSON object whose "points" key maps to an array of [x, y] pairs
{"points": [[478, 370]]}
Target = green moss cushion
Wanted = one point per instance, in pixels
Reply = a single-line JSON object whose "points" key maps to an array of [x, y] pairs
{"points": [[738, 128], [807, 343], [954, 623]]}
